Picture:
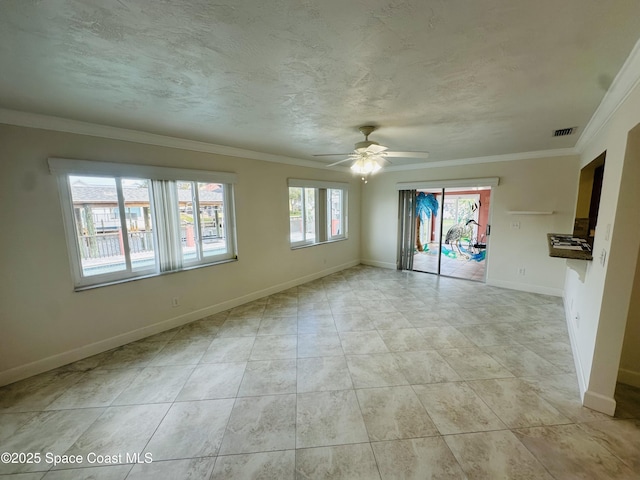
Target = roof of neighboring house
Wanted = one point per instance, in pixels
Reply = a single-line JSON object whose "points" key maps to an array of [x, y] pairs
{"points": [[97, 194]]}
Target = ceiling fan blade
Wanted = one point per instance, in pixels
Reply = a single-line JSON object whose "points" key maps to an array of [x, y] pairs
{"points": [[408, 154], [341, 161], [375, 149], [331, 154]]}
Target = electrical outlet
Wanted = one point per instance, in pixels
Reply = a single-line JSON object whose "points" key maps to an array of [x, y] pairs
{"points": [[521, 271], [515, 225], [175, 302]]}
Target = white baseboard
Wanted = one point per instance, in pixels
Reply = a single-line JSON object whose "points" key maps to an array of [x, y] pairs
{"points": [[54, 361], [599, 403], [629, 377], [375, 263], [64, 358], [525, 287]]}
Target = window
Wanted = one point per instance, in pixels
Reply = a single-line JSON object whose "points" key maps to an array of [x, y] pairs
{"points": [[317, 212], [129, 221], [201, 221], [302, 214], [336, 210]]}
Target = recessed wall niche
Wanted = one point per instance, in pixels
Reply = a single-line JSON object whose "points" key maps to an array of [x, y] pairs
{"points": [[589, 192]]}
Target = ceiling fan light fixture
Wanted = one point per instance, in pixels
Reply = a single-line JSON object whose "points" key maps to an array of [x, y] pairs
{"points": [[365, 166]]}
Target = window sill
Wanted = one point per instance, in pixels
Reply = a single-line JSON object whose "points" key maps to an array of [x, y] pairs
{"points": [[307, 245], [142, 277]]}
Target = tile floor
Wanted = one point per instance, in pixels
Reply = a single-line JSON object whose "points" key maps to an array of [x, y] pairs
{"points": [[365, 374]]}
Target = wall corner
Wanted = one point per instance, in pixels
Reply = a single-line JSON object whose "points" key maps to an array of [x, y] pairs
{"points": [[599, 403]]}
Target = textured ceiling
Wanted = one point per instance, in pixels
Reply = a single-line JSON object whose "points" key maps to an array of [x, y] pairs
{"points": [[458, 78]]}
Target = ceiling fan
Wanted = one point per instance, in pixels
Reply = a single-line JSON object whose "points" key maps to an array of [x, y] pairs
{"points": [[368, 156]]}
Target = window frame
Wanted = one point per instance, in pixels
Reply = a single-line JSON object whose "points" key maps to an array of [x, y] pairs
{"points": [[207, 259], [64, 168], [323, 211], [303, 213], [343, 216]]}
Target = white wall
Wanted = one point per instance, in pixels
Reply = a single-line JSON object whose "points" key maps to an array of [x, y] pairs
{"points": [[44, 323], [630, 360], [598, 302], [541, 184]]}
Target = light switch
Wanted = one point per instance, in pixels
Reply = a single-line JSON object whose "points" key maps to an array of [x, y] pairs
{"points": [[603, 257]]}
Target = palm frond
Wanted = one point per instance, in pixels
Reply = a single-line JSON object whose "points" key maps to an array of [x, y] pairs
{"points": [[426, 205]]}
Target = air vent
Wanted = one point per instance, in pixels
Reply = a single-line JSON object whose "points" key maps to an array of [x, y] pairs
{"points": [[563, 132]]}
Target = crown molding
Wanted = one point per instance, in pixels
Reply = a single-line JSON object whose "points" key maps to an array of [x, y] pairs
{"points": [[59, 124], [623, 84], [508, 157]]}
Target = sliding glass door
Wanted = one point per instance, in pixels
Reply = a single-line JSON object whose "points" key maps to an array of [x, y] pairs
{"points": [[452, 226], [428, 230]]}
